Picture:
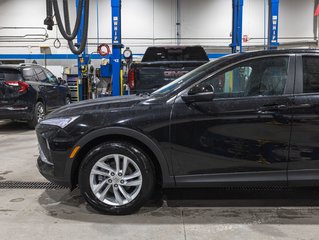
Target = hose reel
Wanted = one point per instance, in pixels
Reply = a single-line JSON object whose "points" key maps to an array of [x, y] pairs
{"points": [[104, 50]]}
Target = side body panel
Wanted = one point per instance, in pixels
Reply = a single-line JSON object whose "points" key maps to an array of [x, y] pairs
{"points": [[304, 153], [233, 141]]}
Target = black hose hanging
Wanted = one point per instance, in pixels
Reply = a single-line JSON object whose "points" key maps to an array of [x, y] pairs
{"points": [[49, 19], [49, 8], [66, 33], [68, 36], [81, 48]]}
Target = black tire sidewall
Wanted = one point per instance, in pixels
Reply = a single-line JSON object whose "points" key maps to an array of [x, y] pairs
{"points": [[68, 100], [134, 153], [32, 123]]}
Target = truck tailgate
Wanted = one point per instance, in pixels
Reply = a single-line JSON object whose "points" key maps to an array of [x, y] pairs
{"points": [[151, 76]]}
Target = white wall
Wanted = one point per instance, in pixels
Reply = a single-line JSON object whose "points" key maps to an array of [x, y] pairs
{"points": [[151, 20], [254, 20], [206, 19], [296, 18]]}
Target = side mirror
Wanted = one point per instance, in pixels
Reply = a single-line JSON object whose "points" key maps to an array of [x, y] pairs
{"points": [[199, 93], [60, 81]]}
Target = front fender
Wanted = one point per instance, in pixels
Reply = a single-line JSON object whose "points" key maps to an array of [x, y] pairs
{"points": [[168, 179]]}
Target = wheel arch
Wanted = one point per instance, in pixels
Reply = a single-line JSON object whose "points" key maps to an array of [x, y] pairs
{"points": [[163, 174], [40, 99]]}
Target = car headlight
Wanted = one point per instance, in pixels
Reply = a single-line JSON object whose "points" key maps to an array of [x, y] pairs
{"points": [[60, 122]]}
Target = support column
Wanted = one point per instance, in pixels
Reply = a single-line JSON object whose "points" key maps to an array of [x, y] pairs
{"points": [[237, 31], [82, 59], [273, 18], [116, 47]]}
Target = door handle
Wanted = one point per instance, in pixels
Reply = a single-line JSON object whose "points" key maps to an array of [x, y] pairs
{"points": [[271, 109], [282, 107]]}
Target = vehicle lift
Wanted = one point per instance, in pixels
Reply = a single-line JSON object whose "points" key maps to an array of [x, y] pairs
{"points": [[83, 61], [237, 31], [273, 17], [115, 57]]}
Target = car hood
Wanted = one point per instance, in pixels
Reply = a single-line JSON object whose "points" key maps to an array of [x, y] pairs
{"points": [[92, 106]]}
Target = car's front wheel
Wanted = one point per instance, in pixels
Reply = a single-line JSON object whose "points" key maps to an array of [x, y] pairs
{"points": [[116, 178]]}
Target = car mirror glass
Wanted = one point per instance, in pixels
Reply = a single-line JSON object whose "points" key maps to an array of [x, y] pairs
{"points": [[59, 81], [198, 89], [199, 93]]}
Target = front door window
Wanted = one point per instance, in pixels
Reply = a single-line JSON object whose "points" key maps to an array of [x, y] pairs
{"points": [[262, 77]]}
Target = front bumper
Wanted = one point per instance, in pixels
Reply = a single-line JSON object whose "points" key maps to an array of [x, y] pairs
{"points": [[48, 172], [54, 162]]}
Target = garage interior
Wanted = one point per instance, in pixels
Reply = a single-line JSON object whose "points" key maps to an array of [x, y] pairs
{"points": [[33, 208]]}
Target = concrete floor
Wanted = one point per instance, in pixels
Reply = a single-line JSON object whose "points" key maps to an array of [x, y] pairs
{"points": [[183, 214]]}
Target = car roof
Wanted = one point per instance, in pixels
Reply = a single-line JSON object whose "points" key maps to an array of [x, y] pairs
{"points": [[228, 59], [276, 52], [175, 46], [11, 66], [17, 66]]}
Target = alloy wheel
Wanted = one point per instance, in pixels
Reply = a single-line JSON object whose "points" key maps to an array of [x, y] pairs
{"points": [[40, 113], [116, 180], [67, 101]]}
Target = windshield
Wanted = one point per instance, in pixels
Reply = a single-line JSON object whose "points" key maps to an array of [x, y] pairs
{"points": [[194, 75]]}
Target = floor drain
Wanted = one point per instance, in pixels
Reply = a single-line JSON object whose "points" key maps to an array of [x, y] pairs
{"points": [[29, 185]]}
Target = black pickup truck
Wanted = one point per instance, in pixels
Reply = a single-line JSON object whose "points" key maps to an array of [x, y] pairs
{"points": [[161, 65]]}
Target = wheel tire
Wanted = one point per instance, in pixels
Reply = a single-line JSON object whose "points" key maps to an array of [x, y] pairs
{"points": [[68, 100], [38, 114], [138, 159]]}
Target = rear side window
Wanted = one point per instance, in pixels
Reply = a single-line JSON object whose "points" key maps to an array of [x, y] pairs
{"points": [[10, 75], [29, 74], [154, 54], [310, 74]]}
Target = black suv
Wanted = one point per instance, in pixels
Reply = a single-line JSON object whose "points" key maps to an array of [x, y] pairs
{"points": [[243, 120], [28, 92]]}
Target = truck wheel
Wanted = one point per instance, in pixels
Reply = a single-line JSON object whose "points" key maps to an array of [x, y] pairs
{"points": [[116, 178], [38, 115]]}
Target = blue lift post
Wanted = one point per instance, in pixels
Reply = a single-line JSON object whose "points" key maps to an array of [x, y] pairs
{"points": [[83, 58], [237, 30], [116, 47], [273, 18]]}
